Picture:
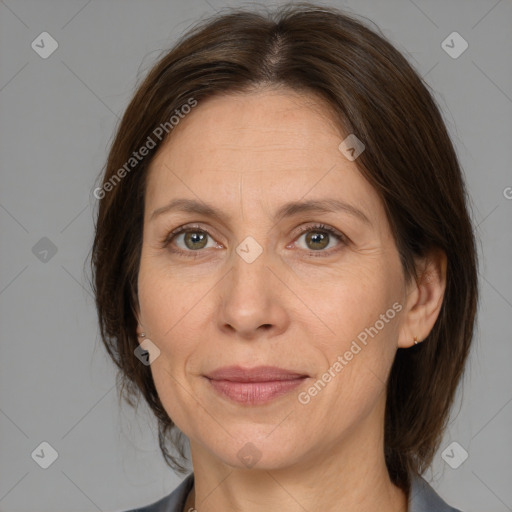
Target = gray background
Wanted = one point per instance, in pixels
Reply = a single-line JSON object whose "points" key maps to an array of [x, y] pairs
{"points": [[57, 119]]}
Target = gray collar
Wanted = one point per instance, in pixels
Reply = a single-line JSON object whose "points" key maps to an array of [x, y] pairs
{"points": [[422, 498]]}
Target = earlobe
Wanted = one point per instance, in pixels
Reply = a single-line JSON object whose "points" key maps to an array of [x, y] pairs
{"points": [[424, 299]]}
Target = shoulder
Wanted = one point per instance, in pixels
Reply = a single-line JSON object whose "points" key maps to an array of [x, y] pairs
{"points": [[173, 502], [423, 498]]}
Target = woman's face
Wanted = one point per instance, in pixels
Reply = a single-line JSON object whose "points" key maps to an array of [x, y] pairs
{"points": [[251, 287]]}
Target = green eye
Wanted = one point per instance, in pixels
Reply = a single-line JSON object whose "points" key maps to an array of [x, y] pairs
{"points": [[190, 240], [318, 238], [195, 239]]}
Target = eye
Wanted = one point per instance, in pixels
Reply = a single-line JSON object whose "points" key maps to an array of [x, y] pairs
{"points": [[188, 239], [319, 237]]}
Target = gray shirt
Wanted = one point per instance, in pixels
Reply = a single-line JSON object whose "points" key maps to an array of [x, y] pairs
{"points": [[422, 498]]}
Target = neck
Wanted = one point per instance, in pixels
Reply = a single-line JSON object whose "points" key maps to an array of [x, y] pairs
{"points": [[349, 476]]}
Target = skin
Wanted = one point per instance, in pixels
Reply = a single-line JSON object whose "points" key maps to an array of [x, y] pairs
{"points": [[247, 155]]}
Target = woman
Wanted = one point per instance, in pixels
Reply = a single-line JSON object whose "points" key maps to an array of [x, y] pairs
{"points": [[284, 265]]}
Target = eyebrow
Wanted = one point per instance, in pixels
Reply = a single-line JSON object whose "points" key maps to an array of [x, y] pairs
{"points": [[287, 210]]}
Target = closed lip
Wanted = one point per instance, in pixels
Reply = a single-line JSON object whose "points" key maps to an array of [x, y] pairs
{"points": [[256, 374]]}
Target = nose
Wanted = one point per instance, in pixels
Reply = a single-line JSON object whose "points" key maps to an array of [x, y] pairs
{"points": [[253, 300]]}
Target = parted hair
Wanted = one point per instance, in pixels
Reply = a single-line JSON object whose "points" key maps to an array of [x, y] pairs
{"points": [[373, 92]]}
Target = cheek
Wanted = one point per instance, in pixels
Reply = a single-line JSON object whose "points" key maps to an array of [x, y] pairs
{"points": [[362, 315], [164, 298], [165, 307], [346, 301], [174, 313], [356, 363]]}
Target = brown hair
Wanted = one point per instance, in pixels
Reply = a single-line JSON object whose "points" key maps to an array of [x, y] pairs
{"points": [[409, 159]]}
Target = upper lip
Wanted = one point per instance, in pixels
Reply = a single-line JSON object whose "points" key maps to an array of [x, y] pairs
{"points": [[256, 374]]}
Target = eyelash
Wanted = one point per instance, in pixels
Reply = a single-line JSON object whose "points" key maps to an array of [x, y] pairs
{"points": [[164, 243]]}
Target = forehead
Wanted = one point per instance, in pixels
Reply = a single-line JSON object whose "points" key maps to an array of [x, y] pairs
{"points": [[277, 142], [260, 122]]}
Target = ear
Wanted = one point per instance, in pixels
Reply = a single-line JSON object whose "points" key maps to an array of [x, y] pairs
{"points": [[424, 299]]}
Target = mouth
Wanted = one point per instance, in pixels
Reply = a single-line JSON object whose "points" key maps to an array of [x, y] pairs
{"points": [[253, 386]]}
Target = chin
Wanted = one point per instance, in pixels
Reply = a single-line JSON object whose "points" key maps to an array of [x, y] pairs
{"points": [[260, 452]]}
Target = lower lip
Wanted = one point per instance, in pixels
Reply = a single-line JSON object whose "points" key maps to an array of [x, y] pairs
{"points": [[254, 393]]}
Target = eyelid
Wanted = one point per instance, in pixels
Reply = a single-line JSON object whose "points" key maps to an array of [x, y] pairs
{"points": [[321, 227]]}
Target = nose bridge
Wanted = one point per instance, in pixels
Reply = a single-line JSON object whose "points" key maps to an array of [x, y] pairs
{"points": [[248, 297], [249, 276]]}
